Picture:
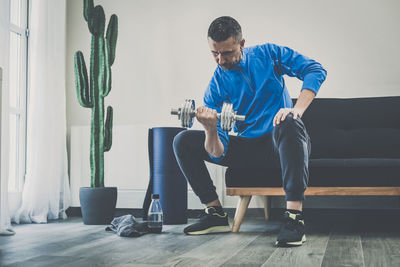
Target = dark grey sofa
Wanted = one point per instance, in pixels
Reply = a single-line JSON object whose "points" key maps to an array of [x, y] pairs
{"points": [[355, 150]]}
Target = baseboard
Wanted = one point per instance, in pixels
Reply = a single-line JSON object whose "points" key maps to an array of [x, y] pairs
{"points": [[275, 213], [192, 213], [133, 199]]}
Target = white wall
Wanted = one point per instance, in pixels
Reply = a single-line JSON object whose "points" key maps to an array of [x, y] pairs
{"points": [[163, 56]]}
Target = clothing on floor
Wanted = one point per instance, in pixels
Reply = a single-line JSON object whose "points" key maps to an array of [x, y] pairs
{"points": [[128, 226]]}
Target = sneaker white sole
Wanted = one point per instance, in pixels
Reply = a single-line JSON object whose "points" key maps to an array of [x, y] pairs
{"points": [[294, 243], [214, 229]]}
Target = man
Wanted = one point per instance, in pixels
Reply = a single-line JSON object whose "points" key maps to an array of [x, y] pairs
{"points": [[273, 133]]}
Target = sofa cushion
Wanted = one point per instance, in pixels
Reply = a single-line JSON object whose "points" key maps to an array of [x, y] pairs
{"points": [[354, 128], [325, 172]]}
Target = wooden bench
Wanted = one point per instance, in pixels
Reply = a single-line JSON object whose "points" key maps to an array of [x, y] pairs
{"points": [[245, 194]]}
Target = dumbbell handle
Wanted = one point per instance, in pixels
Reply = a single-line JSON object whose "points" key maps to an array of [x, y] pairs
{"points": [[175, 111]]}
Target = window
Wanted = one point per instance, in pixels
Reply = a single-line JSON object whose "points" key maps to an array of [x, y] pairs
{"points": [[17, 93]]}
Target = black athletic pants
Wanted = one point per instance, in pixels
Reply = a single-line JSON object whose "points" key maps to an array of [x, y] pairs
{"points": [[287, 146]]}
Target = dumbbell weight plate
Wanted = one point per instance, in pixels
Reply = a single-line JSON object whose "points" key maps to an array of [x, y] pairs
{"points": [[224, 114], [187, 110], [230, 117], [227, 117]]}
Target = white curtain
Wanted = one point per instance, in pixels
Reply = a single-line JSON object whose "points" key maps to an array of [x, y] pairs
{"points": [[46, 192], [5, 225]]}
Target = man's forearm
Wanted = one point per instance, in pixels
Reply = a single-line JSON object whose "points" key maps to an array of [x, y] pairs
{"points": [[305, 98], [213, 145]]}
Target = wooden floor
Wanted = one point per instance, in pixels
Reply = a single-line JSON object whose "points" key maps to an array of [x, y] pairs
{"points": [[343, 239]]}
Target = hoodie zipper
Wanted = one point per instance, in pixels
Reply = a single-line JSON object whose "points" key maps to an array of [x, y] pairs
{"points": [[248, 82]]}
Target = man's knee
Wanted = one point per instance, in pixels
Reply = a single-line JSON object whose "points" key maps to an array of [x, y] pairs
{"points": [[187, 140], [289, 124], [288, 127], [180, 140]]}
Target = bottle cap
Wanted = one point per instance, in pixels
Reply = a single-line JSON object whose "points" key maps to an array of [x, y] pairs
{"points": [[155, 196]]}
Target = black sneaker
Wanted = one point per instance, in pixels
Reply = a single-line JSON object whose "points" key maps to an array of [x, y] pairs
{"points": [[210, 222], [292, 232]]}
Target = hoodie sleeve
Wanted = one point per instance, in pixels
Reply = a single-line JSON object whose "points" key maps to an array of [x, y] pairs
{"points": [[294, 64], [212, 99]]}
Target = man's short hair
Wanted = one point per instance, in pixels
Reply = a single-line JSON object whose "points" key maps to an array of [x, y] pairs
{"points": [[224, 27]]}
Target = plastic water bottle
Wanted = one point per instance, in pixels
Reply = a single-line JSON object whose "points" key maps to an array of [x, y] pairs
{"points": [[155, 215]]}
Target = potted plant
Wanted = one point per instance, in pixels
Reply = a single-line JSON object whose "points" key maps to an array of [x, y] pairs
{"points": [[97, 202]]}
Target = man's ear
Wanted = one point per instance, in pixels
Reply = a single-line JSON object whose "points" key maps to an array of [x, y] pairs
{"points": [[242, 44]]}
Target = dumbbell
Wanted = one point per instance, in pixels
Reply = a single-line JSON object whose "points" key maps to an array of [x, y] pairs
{"points": [[187, 112]]}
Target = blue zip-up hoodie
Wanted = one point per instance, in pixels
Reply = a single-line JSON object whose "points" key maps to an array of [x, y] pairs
{"points": [[256, 88]]}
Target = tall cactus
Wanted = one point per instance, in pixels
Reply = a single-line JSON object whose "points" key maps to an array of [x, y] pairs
{"points": [[91, 93]]}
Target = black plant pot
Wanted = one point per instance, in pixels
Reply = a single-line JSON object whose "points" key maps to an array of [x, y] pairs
{"points": [[98, 204]]}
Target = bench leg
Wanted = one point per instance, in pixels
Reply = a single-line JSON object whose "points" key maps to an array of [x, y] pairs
{"points": [[241, 208], [267, 207]]}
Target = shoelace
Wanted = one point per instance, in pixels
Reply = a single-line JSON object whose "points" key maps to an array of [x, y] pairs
{"points": [[204, 213], [292, 223]]}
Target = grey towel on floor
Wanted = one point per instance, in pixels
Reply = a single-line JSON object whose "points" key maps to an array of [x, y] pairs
{"points": [[128, 226]]}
